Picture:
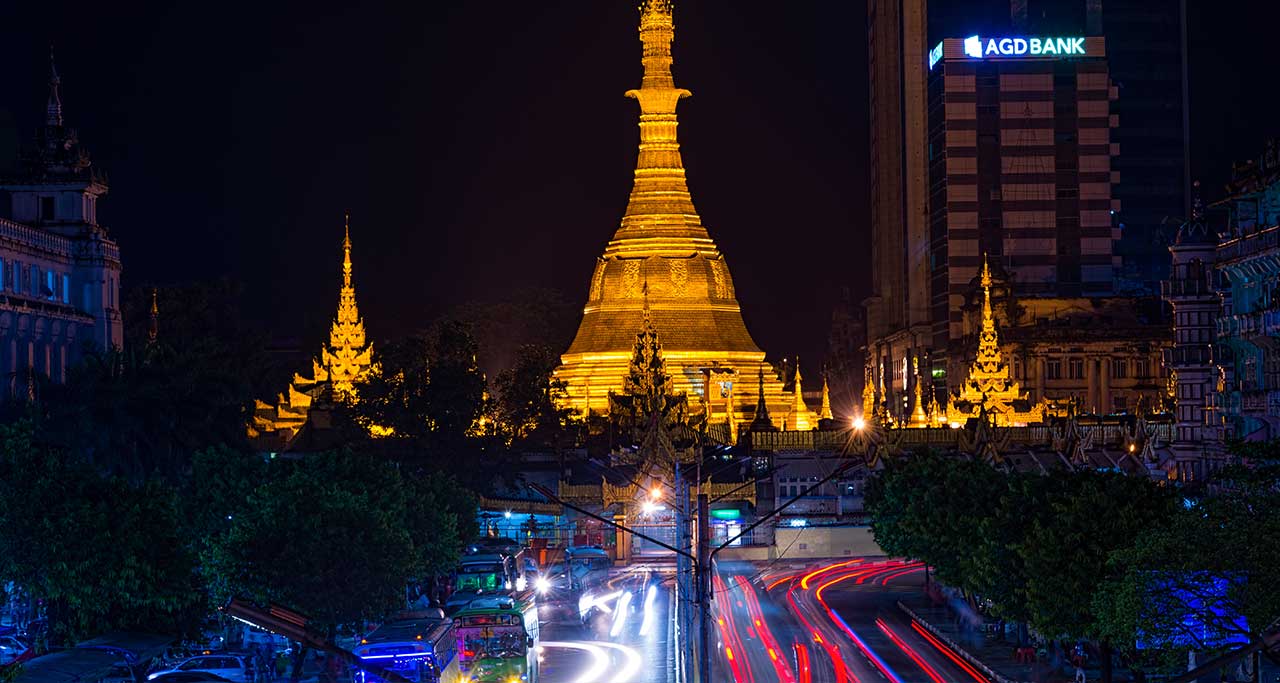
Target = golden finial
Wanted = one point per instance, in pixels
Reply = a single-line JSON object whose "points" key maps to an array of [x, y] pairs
{"points": [[346, 249], [153, 326], [986, 272]]}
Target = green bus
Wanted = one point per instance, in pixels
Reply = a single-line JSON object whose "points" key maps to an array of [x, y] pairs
{"points": [[497, 640]]}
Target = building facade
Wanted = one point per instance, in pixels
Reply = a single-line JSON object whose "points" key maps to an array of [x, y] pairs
{"points": [[1225, 292], [662, 260], [898, 308], [59, 267]]}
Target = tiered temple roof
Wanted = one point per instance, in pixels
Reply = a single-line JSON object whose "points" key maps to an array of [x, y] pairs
{"points": [[342, 362]]}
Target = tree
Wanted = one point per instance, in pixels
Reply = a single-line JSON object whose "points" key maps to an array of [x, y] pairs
{"points": [[530, 407], [932, 508], [218, 491], [328, 537], [428, 391], [102, 554], [1068, 550], [1208, 564]]}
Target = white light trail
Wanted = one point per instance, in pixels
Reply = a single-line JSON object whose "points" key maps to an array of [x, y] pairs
{"points": [[649, 615], [620, 614], [600, 659], [628, 670]]}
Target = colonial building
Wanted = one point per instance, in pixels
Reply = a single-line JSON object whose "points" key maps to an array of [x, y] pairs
{"points": [[59, 267], [662, 256], [1247, 266], [1225, 292], [306, 403]]}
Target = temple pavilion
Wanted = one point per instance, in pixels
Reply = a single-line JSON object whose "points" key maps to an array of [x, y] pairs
{"points": [[341, 363]]}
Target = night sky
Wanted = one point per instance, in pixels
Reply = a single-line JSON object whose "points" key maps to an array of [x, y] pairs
{"points": [[488, 148]]}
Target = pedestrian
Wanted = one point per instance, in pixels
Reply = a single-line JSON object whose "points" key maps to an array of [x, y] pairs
{"points": [[1080, 677]]}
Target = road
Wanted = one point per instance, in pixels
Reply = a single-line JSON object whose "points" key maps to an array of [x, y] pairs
{"points": [[840, 625], [835, 622], [626, 638]]}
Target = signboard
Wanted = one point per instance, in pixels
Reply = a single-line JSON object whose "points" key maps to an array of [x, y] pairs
{"points": [[979, 47]]}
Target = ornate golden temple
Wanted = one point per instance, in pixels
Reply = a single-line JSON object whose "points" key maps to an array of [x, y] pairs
{"points": [[989, 388], [662, 253], [343, 361]]}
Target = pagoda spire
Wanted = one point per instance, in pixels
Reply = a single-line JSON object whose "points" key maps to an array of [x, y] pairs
{"points": [[988, 340], [153, 325], [53, 111], [660, 199], [761, 422], [348, 355], [824, 413]]}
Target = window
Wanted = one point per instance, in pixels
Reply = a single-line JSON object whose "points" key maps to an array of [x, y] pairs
{"points": [[46, 209], [1119, 368], [1075, 368], [50, 284], [1122, 403], [1053, 368], [3, 272], [66, 288]]}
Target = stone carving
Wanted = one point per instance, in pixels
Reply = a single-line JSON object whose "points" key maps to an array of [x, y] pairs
{"points": [[679, 276], [631, 278], [722, 285], [597, 279]]}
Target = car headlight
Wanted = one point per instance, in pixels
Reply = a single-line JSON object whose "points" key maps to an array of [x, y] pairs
{"points": [[542, 584]]}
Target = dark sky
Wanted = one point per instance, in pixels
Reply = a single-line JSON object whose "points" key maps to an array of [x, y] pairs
{"points": [[488, 148]]}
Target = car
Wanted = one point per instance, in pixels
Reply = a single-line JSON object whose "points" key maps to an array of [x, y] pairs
{"points": [[11, 649], [232, 667], [188, 677]]}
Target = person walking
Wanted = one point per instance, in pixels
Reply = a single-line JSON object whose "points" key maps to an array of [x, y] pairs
{"points": [[1080, 677]]}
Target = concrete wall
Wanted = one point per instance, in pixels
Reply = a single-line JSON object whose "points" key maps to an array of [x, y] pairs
{"points": [[832, 541]]}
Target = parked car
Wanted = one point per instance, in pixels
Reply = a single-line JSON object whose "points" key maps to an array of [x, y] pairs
{"points": [[120, 673], [187, 677], [11, 649], [232, 667]]}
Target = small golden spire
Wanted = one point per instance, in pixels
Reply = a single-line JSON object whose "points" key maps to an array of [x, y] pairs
{"points": [[346, 249], [153, 327], [824, 413], [918, 417]]}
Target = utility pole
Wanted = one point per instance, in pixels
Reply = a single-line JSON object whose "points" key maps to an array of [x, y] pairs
{"points": [[704, 588]]}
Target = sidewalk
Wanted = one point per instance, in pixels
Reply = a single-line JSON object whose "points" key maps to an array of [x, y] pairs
{"points": [[991, 656]]}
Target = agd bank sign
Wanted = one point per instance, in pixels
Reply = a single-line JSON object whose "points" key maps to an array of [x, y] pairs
{"points": [[981, 48]]}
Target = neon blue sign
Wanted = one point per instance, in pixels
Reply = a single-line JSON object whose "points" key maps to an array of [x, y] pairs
{"points": [[934, 55], [981, 48]]}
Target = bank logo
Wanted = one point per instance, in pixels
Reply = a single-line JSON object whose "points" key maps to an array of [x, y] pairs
{"points": [[973, 47]]}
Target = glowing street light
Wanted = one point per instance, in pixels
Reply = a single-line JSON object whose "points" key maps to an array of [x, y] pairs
{"points": [[859, 423], [655, 493]]}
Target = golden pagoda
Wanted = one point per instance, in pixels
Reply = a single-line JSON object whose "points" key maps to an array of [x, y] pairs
{"points": [[343, 361], [662, 243], [989, 385]]}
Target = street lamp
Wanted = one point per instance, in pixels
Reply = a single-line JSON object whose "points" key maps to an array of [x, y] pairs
{"points": [[859, 423]]}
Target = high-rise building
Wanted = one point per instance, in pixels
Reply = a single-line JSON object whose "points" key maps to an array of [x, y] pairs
{"points": [[1019, 169], [898, 308], [662, 259], [59, 267], [1071, 207]]}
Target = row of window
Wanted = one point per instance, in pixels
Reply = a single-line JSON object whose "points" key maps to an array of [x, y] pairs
{"points": [[1075, 368], [28, 279]]}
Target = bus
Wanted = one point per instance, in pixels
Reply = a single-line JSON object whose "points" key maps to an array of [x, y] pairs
{"points": [[498, 640], [418, 645], [481, 575]]}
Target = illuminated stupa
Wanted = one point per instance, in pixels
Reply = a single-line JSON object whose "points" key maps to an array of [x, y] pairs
{"points": [[662, 248]]}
